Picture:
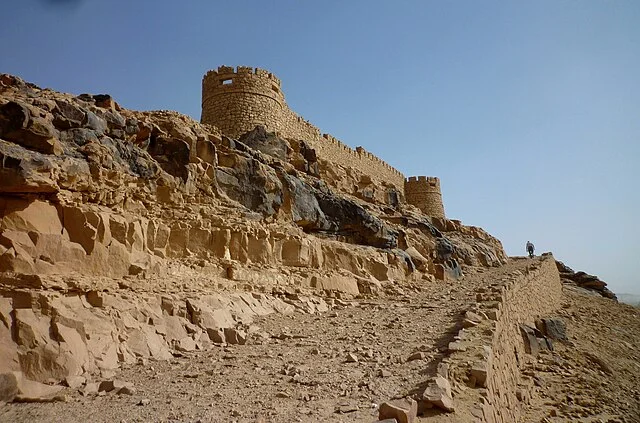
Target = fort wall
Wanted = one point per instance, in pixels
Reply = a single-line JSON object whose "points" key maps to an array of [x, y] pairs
{"points": [[236, 100]]}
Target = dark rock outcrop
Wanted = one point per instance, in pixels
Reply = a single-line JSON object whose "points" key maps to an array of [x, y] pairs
{"points": [[584, 280], [20, 124], [266, 142]]}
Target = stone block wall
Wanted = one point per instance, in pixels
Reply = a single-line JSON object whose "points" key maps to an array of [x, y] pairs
{"points": [[489, 353], [424, 193], [237, 100]]}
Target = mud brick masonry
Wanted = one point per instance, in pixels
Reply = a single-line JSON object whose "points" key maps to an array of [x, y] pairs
{"points": [[237, 99]]}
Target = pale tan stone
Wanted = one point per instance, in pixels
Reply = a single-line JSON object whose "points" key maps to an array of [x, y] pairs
{"points": [[404, 411]]}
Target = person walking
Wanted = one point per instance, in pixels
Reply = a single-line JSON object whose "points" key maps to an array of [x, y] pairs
{"points": [[530, 249]]}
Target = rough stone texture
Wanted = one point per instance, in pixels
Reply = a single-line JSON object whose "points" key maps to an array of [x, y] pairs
{"points": [[553, 328], [424, 193], [404, 411], [507, 341], [438, 394], [8, 386]]}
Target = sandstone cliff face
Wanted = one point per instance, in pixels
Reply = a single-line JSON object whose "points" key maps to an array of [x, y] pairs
{"points": [[111, 220]]}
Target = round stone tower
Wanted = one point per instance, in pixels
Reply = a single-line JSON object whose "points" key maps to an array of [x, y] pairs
{"points": [[424, 193], [236, 100]]}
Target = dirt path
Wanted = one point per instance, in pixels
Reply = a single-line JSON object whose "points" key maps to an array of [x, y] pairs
{"points": [[337, 366]]}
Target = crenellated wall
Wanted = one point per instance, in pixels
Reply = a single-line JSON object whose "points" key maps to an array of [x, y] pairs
{"points": [[236, 100]]}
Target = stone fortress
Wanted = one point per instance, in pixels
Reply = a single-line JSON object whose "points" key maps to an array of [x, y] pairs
{"points": [[237, 100]]}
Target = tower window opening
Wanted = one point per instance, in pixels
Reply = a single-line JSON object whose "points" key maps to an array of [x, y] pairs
{"points": [[227, 81], [274, 88]]}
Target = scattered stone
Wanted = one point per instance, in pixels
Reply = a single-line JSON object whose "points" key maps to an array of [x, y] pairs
{"points": [[384, 373], [443, 370], [404, 411], [126, 390], [352, 358], [348, 407], [600, 363], [479, 372], [144, 401], [416, 356], [466, 323], [91, 388], [457, 346], [74, 382], [438, 393]]}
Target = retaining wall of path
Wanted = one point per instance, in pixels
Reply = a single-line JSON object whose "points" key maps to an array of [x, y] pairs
{"points": [[490, 349]]}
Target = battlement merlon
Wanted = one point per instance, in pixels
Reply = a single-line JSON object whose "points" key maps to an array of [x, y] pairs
{"points": [[423, 180], [228, 72]]}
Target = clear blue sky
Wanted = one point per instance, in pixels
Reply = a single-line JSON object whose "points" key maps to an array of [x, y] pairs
{"points": [[529, 112]]}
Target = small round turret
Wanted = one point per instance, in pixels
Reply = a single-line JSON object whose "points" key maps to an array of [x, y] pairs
{"points": [[424, 193]]}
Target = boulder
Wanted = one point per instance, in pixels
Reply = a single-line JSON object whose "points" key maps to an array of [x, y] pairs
{"points": [[420, 261], [14, 386], [403, 411], [68, 115], [18, 124], [438, 394], [479, 373], [584, 280], [235, 336], [553, 328], [249, 182]]}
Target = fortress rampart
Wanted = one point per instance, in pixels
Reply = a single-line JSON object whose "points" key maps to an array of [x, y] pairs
{"points": [[424, 193], [236, 100]]}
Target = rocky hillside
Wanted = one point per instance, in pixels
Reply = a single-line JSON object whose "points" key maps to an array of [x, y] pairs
{"points": [[97, 201], [152, 266]]}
